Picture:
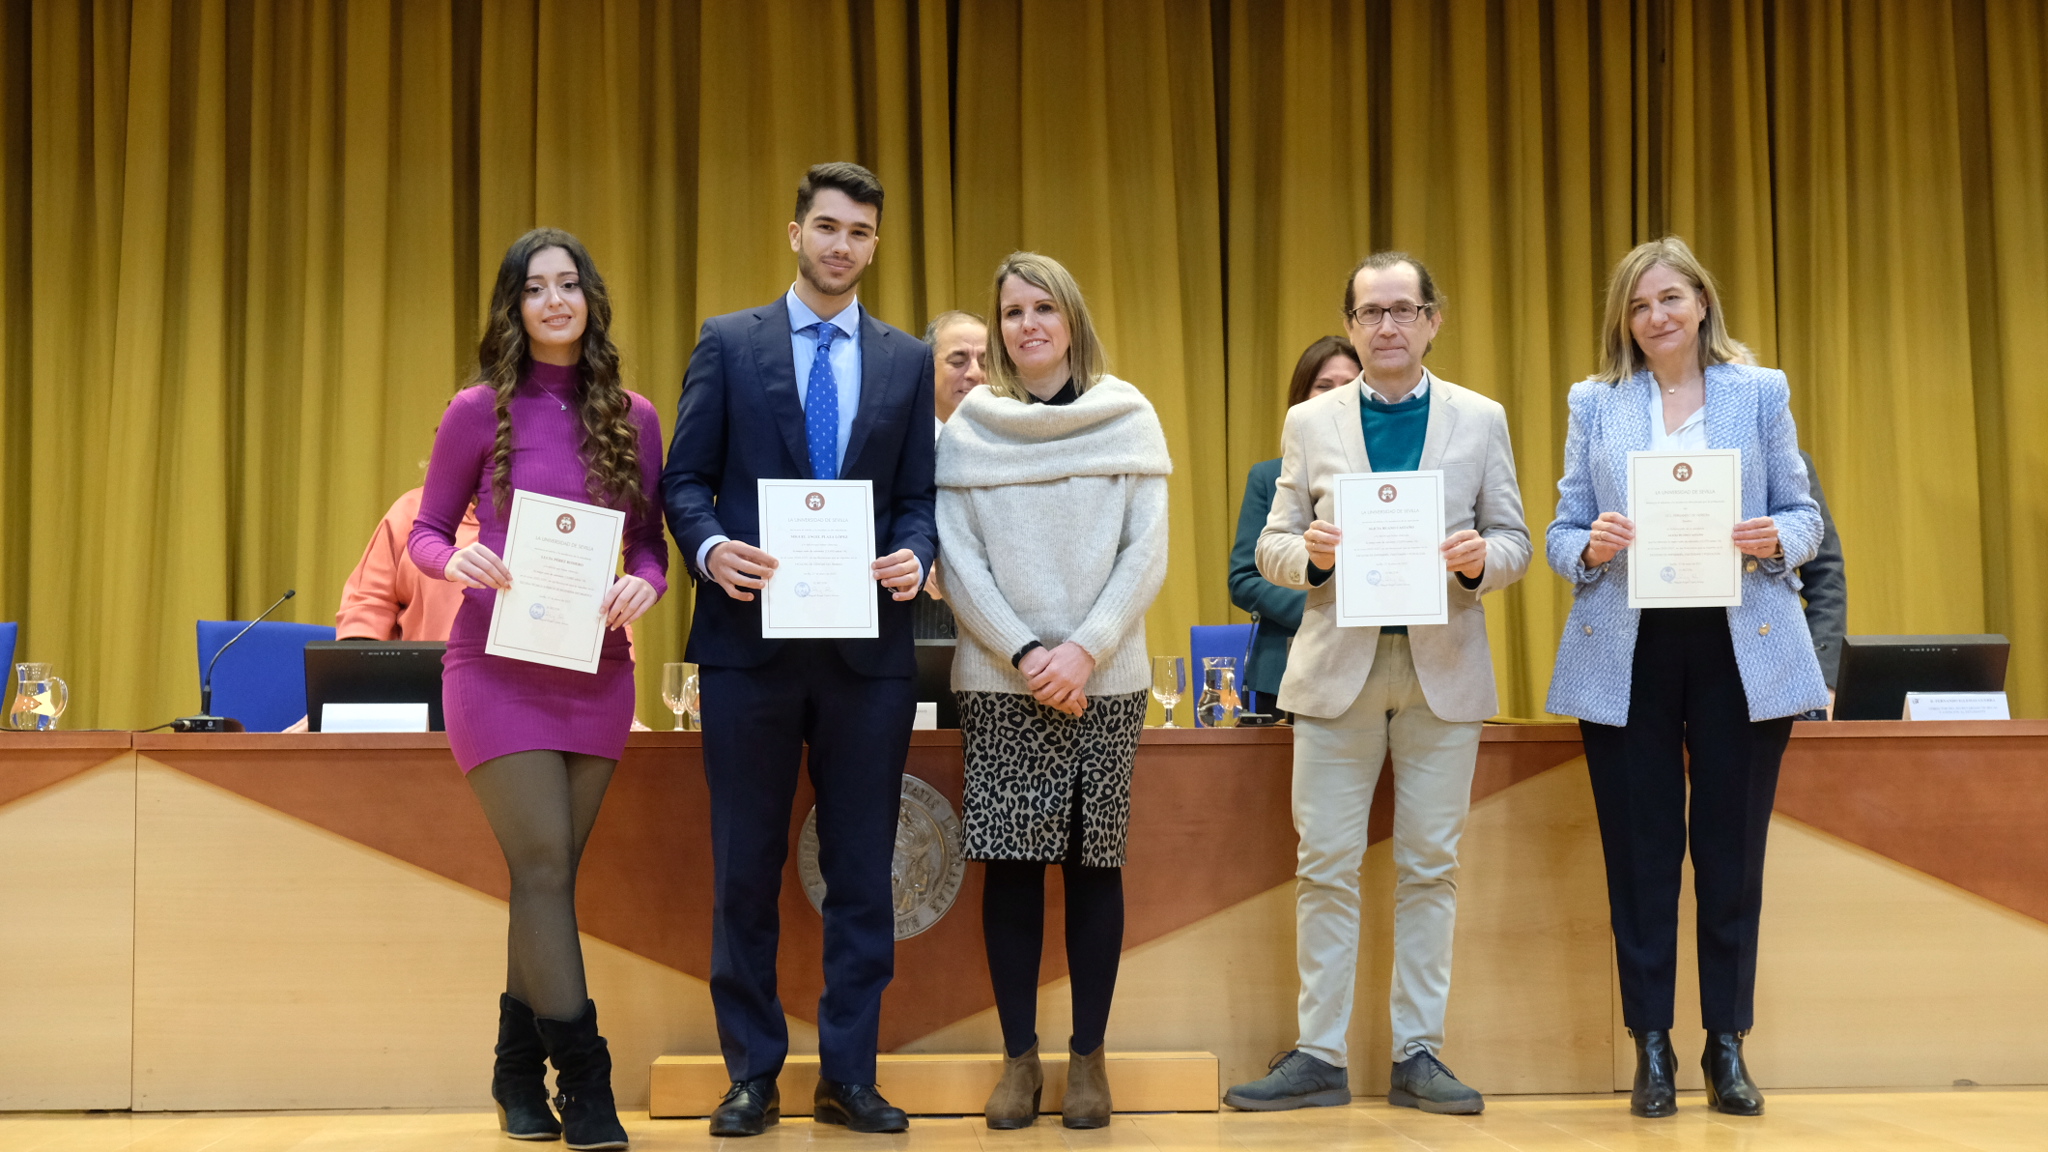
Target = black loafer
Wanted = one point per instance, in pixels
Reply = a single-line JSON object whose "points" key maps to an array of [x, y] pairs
{"points": [[749, 1107], [857, 1106]]}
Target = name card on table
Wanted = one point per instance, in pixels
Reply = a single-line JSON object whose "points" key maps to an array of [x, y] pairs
{"points": [[1957, 706], [373, 717]]}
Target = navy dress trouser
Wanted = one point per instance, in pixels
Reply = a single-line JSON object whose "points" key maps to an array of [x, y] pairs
{"points": [[757, 722], [1685, 696]]}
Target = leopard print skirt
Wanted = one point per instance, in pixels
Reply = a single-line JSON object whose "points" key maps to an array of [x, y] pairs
{"points": [[1024, 761]]}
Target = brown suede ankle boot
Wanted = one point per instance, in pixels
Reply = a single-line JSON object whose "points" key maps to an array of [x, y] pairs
{"points": [[1014, 1103], [1087, 1100]]}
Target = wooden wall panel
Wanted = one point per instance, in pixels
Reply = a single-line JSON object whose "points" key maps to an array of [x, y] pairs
{"points": [[1871, 974], [282, 966], [67, 904], [1529, 990]]}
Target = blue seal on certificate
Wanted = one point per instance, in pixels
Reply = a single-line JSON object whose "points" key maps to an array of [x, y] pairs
{"points": [[1668, 574], [801, 589], [1373, 577], [537, 611]]}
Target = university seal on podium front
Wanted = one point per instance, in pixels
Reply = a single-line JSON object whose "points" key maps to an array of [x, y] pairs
{"points": [[928, 867]]}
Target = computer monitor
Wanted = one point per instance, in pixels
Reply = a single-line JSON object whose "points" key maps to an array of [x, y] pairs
{"points": [[374, 672], [1878, 671], [935, 679]]}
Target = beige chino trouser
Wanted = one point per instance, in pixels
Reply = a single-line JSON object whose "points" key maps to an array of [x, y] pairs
{"points": [[1336, 766]]}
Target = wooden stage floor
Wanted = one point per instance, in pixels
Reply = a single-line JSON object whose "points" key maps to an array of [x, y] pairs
{"points": [[1986, 1119]]}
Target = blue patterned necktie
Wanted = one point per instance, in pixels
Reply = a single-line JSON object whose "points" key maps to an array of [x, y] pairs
{"points": [[821, 406]]}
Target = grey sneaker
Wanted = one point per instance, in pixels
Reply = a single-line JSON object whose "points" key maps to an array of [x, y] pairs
{"points": [[1296, 1080], [1422, 1081]]}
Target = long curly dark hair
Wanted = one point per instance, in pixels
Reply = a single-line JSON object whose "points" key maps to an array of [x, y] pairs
{"points": [[610, 447]]}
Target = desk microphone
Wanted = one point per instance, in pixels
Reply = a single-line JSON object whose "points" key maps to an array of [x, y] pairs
{"points": [[1249, 719], [205, 722]]}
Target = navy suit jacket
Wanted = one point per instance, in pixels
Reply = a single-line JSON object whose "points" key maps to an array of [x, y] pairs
{"points": [[740, 420]]}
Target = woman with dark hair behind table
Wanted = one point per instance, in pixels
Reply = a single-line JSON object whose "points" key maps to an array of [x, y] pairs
{"points": [[1328, 363], [1685, 712], [546, 414]]}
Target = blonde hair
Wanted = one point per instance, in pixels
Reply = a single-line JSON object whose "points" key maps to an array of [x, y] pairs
{"points": [[1620, 356], [1086, 360]]}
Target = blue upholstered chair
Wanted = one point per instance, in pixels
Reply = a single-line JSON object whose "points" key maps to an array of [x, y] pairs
{"points": [[7, 634], [262, 680], [1208, 640]]}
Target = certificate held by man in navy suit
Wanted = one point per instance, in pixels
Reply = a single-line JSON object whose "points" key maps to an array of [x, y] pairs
{"points": [[809, 389]]}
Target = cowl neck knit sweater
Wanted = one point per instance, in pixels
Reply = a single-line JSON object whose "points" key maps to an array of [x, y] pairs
{"points": [[1052, 527], [1109, 430]]}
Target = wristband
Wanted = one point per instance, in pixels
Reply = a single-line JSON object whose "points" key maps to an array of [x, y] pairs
{"points": [[1023, 652]]}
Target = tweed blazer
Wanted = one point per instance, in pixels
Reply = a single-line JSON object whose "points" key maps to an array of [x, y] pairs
{"points": [[1467, 437], [1747, 408]]}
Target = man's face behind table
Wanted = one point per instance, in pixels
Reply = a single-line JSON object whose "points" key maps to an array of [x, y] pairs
{"points": [[961, 352]]}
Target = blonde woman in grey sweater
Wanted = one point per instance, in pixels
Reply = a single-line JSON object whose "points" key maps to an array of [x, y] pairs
{"points": [[1052, 530]]}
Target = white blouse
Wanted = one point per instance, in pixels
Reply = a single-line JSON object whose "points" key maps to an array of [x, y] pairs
{"points": [[1691, 435]]}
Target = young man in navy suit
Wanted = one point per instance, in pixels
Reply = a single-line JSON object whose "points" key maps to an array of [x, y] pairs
{"points": [[807, 387]]}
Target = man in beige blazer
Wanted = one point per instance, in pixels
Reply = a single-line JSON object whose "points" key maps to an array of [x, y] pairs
{"points": [[1356, 693]]}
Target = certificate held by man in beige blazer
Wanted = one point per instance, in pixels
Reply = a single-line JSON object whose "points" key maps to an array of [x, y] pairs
{"points": [[1357, 693]]}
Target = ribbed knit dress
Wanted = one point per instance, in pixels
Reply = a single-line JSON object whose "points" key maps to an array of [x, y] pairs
{"points": [[497, 706]]}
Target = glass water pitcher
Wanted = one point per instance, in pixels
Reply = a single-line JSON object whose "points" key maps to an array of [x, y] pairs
{"points": [[1218, 706], [39, 698]]}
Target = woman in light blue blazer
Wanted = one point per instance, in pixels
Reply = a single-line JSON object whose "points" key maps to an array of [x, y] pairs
{"points": [[1651, 685]]}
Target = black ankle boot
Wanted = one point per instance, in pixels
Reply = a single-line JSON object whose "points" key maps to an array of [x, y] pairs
{"points": [[1656, 1090], [519, 1080], [583, 1080], [1729, 1088]]}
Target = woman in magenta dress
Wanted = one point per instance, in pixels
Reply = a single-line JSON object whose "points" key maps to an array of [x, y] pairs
{"points": [[546, 414]]}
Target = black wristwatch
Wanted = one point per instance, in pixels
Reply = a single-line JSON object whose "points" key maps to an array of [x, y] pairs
{"points": [[1018, 659]]}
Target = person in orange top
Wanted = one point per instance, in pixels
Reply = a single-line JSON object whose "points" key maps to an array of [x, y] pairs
{"points": [[387, 597]]}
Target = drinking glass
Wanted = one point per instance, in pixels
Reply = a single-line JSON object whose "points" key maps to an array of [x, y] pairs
{"points": [[1169, 684], [679, 692], [691, 699], [1218, 706], [39, 698]]}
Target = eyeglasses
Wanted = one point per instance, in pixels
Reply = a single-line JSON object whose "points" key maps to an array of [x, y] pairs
{"points": [[1368, 315]]}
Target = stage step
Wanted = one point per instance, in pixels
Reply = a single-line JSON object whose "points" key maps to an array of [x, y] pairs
{"points": [[948, 1085]]}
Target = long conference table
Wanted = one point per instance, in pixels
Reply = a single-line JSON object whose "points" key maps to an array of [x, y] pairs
{"points": [[317, 921]]}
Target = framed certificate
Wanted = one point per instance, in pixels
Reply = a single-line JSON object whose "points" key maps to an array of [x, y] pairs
{"points": [[563, 556], [1685, 506], [1390, 566], [822, 535]]}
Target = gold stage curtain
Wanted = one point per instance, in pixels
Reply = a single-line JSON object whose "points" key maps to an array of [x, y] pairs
{"points": [[244, 246]]}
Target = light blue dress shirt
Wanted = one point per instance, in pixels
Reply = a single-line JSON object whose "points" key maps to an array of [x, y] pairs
{"points": [[845, 355]]}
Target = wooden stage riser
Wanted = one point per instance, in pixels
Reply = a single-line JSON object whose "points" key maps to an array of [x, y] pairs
{"points": [[197, 925], [949, 1085]]}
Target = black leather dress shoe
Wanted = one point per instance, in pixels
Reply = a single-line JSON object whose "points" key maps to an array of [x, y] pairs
{"points": [[749, 1107], [1729, 1088], [858, 1106], [1656, 1089]]}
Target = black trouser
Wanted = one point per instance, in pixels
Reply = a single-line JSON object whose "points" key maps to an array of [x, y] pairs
{"points": [[757, 724], [1685, 697]]}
